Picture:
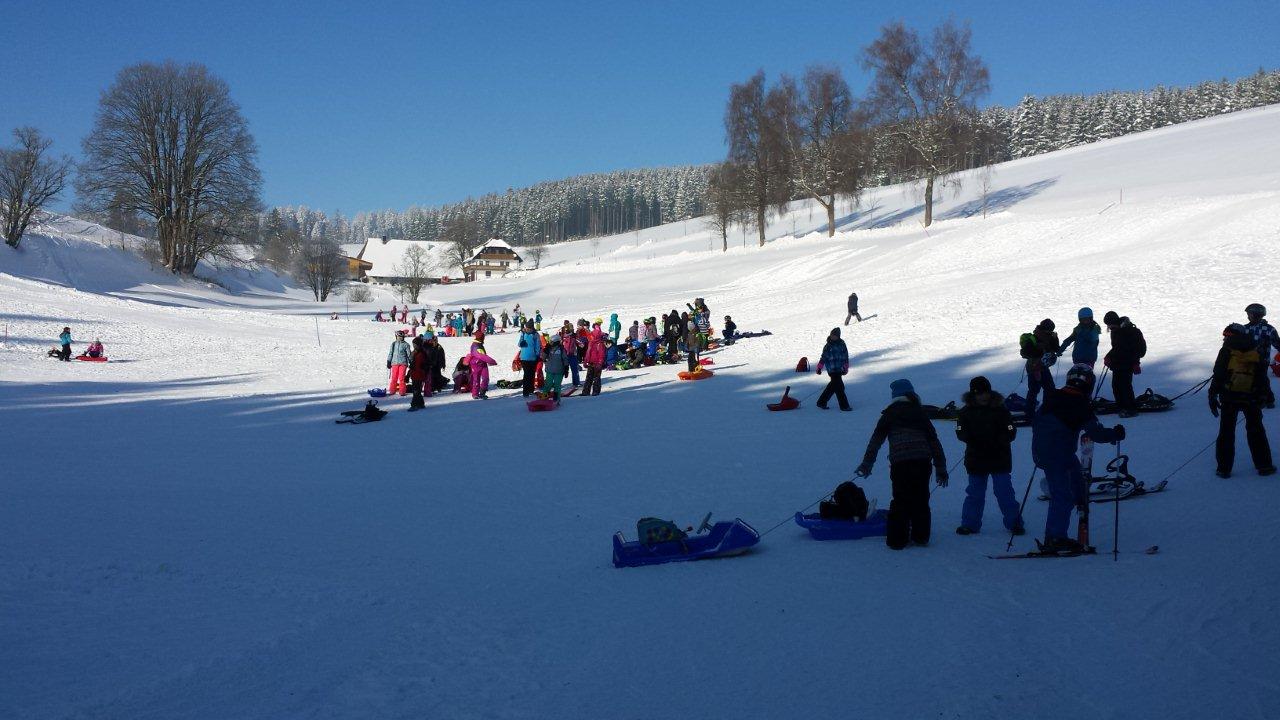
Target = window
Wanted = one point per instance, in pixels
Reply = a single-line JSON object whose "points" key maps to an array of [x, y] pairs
{"points": [[488, 274]]}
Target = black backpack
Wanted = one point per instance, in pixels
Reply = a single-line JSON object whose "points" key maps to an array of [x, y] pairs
{"points": [[848, 502], [370, 413]]}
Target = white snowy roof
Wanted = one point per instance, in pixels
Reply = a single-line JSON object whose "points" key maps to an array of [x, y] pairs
{"points": [[350, 249], [386, 256], [491, 244]]}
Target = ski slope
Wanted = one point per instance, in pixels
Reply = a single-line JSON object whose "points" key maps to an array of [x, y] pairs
{"points": [[189, 535]]}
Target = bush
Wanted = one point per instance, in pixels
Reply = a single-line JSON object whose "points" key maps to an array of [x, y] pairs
{"points": [[359, 293]]}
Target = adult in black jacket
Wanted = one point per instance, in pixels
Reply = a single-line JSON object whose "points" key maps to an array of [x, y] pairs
{"points": [[986, 428], [914, 450], [436, 356], [1128, 347], [1240, 385], [671, 333], [853, 309]]}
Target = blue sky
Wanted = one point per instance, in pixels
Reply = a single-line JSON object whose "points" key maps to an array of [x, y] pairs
{"points": [[360, 106]]}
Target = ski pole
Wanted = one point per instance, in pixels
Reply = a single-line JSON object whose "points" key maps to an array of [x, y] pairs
{"points": [[1097, 388], [1022, 507], [1115, 538]]}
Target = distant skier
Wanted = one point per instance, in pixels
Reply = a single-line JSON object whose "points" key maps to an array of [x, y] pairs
{"points": [[1055, 434], [853, 309], [1240, 386], [1128, 347], [1085, 337], [835, 360], [986, 429], [398, 364], [1267, 339], [65, 339], [913, 448]]}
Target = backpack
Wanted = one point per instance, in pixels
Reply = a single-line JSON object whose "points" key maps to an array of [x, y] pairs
{"points": [[652, 531], [1242, 370], [848, 502], [370, 413], [1028, 348], [803, 365]]}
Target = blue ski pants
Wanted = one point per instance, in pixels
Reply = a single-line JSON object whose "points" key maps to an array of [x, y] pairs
{"points": [[975, 499]]}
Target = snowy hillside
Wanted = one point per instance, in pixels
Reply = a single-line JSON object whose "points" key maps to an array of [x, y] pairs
{"points": [[189, 535]]}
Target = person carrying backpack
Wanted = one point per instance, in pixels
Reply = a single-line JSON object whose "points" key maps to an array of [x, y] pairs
{"points": [[835, 360], [398, 364], [1128, 347], [1266, 337], [530, 348], [853, 309], [914, 453], [986, 428], [1055, 435], [1085, 337], [1040, 349], [1239, 386]]}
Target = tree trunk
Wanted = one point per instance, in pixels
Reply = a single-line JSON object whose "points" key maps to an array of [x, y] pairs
{"points": [[724, 238], [830, 207], [928, 201], [760, 210]]}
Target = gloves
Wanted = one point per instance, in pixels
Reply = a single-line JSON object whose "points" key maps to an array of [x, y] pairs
{"points": [[388, 364], [863, 470], [943, 478], [1213, 405], [1119, 431]]}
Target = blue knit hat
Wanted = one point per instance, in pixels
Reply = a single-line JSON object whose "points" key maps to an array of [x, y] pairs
{"points": [[1085, 313], [899, 388]]}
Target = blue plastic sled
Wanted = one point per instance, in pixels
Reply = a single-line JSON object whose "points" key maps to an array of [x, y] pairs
{"points": [[377, 392], [724, 539], [824, 529]]}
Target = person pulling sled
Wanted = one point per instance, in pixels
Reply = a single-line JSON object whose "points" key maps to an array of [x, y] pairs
{"points": [[1240, 386]]}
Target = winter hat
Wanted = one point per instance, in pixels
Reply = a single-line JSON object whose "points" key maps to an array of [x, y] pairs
{"points": [[1111, 318], [1256, 309], [835, 334], [979, 385], [900, 388], [1047, 324], [1085, 313], [1234, 329]]}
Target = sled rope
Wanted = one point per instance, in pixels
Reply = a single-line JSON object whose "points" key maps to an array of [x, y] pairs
{"points": [[791, 517], [1193, 457], [1194, 388]]}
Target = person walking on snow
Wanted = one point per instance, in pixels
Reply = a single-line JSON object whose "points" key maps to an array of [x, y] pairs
{"points": [[1266, 338], [398, 364], [615, 328], [853, 309], [835, 360], [479, 361], [1055, 435], [985, 426], [913, 446], [1085, 337], [65, 340], [530, 348], [1239, 386], [1128, 347]]}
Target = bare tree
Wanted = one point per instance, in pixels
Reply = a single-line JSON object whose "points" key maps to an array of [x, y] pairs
{"points": [[985, 178], [535, 253], [321, 267], [464, 234], [755, 126], [170, 144], [28, 181], [359, 293], [830, 150], [926, 97], [414, 271], [725, 200], [595, 244]]}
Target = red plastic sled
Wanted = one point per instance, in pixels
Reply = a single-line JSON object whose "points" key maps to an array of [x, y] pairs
{"points": [[699, 374], [541, 405], [1275, 366], [86, 358], [786, 403], [707, 361]]}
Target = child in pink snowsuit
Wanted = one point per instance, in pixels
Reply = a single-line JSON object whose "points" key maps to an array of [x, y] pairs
{"points": [[479, 362]]}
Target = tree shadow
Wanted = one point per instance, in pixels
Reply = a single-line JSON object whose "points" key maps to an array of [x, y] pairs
{"points": [[999, 200]]}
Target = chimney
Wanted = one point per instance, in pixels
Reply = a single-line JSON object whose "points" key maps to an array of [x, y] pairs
{"points": [[384, 239]]}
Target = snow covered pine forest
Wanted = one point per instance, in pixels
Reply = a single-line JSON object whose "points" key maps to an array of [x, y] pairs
{"points": [[188, 533]]}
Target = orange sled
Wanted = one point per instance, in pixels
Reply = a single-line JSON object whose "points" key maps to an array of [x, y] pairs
{"points": [[698, 374], [786, 403]]}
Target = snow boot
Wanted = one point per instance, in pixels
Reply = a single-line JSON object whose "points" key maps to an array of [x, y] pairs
{"points": [[962, 530], [1269, 470]]}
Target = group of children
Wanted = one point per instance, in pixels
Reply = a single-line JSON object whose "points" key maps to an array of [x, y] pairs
{"points": [[94, 351]]}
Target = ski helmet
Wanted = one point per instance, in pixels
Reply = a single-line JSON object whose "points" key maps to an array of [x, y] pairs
{"points": [[1080, 376], [1085, 314], [1256, 309]]}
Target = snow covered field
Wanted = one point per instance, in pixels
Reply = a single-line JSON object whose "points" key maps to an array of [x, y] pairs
{"points": [[186, 533]]}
